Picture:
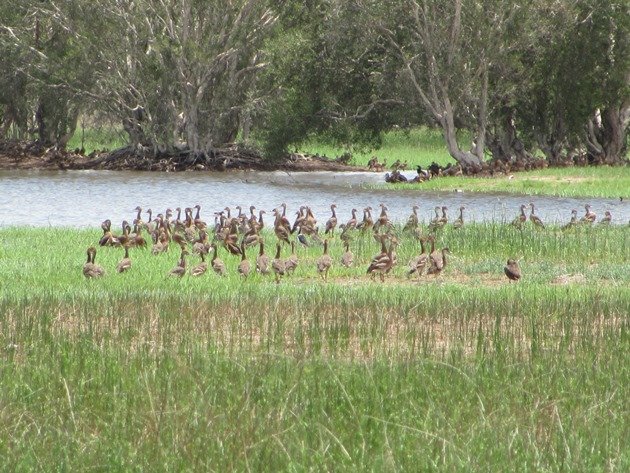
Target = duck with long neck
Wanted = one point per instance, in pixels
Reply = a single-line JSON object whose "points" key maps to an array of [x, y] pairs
{"points": [[125, 263], [278, 265], [459, 223], [324, 263], [244, 268], [90, 269], [262, 260], [332, 221]]}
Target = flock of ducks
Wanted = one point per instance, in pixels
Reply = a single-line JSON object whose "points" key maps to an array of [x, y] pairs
{"points": [[235, 234]]}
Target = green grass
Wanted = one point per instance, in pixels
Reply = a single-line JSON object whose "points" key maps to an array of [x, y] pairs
{"points": [[460, 372], [418, 146], [98, 138], [603, 181]]}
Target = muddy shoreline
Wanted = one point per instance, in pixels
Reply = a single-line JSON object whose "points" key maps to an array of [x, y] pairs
{"points": [[32, 156]]}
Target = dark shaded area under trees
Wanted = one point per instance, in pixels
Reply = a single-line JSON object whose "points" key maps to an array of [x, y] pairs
{"points": [[187, 80]]}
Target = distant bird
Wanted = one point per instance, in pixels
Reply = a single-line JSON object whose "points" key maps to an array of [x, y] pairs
{"points": [[589, 216], [218, 266], [180, 269], [437, 259], [412, 221], [332, 221], [125, 263], [92, 270], [607, 219], [384, 261], [244, 267], [459, 223], [277, 265], [419, 263], [201, 268], [512, 270], [292, 261], [347, 259], [262, 260], [521, 219], [324, 262], [573, 222], [535, 219]]}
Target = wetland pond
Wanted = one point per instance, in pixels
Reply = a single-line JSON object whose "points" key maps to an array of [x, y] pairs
{"points": [[86, 198]]}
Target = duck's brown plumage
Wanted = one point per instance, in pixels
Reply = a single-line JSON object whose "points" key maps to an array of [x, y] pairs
{"points": [[512, 270], [92, 270], [324, 262]]}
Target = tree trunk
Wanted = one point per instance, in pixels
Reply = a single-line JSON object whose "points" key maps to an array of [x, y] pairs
{"points": [[606, 135], [468, 160]]}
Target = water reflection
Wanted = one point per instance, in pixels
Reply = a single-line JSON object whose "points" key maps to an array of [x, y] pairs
{"points": [[85, 198]]}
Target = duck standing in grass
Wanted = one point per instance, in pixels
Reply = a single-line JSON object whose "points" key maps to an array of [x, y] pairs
{"points": [[535, 219], [512, 270], [292, 261], [589, 217], [217, 264], [278, 265], [347, 259], [92, 270], [125, 263], [201, 268], [324, 262], [180, 269], [244, 268]]}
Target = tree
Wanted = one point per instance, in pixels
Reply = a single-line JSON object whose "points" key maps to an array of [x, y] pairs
{"points": [[182, 72]]}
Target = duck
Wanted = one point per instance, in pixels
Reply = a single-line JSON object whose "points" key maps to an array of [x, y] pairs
{"points": [[347, 259], [437, 259], [367, 223], [418, 264], [535, 219], [201, 268], [197, 221], [383, 219], [180, 269], [573, 222], [589, 216], [262, 260], [459, 223], [607, 219], [412, 221], [125, 263], [384, 261], [324, 262], [217, 265], [91, 270], [512, 270], [244, 268], [520, 219], [277, 265], [108, 238], [292, 261], [281, 230], [352, 223], [434, 221], [332, 221]]}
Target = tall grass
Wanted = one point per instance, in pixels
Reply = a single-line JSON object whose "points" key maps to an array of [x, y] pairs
{"points": [[460, 372]]}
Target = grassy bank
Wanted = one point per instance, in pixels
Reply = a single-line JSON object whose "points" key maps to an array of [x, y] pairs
{"points": [[463, 371], [604, 182]]}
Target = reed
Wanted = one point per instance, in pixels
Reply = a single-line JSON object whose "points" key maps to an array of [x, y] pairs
{"points": [[464, 371]]}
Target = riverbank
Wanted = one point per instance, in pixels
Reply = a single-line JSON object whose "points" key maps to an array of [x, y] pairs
{"points": [[31, 156], [462, 371]]}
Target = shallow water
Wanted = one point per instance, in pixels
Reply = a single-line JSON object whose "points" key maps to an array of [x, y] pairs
{"points": [[86, 198]]}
